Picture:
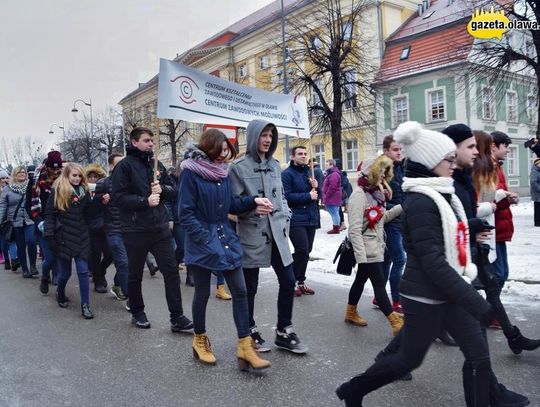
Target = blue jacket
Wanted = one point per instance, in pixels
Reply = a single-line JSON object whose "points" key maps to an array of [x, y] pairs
{"points": [[210, 241], [305, 211]]}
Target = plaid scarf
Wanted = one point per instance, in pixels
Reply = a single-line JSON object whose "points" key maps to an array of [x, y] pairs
{"points": [[42, 184]]}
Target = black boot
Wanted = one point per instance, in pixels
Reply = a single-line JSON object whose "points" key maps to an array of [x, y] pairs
{"points": [[517, 342], [476, 383], [189, 279], [345, 393], [44, 286], [27, 274], [500, 396], [7, 265], [15, 264], [61, 299]]}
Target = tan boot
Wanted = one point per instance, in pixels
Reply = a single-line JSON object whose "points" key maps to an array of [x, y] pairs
{"points": [[396, 321], [247, 356], [202, 349], [221, 293], [352, 316]]}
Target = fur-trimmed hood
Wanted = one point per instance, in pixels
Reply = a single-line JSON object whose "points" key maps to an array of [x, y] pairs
{"points": [[96, 169]]}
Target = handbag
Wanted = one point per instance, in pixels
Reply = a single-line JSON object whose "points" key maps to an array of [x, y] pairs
{"points": [[6, 227], [347, 260]]}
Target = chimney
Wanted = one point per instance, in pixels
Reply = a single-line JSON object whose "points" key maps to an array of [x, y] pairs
{"points": [[420, 9], [425, 5]]}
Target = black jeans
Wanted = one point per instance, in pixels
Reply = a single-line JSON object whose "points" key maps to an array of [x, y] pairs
{"points": [[160, 244], [423, 323], [302, 239], [98, 246], [286, 281], [373, 271]]}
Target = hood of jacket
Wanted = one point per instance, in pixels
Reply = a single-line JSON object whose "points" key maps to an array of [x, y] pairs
{"points": [[253, 131]]}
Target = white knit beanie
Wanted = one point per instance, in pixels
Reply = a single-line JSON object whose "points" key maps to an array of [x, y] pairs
{"points": [[3, 173], [423, 146]]}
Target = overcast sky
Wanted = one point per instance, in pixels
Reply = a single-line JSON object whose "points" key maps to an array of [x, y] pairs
{"points": [[56, 51]]}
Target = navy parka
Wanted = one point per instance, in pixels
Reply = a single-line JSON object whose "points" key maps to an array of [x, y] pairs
{"points": [[305, 211]]}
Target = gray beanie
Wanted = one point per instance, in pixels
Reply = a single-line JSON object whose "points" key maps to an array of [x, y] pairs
{"points": [[3, 174], [423, 146]]}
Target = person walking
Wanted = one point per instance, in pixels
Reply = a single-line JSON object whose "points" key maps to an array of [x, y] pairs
{"points": [[66, 232], [264, 231], [367, 216], [145, 226], [435, 288], [302, 195], [332, 195], [15, 207], [205, 199], [8, 249], [535, 190]]}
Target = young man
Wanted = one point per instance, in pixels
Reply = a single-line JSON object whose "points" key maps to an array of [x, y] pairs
{"points": [[145, 225], [504, 226], [301, 193], [264, 232], [394, 255]]}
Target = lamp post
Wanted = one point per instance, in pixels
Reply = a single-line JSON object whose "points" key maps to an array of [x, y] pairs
{"points": [[89, 104], [62, 127]]}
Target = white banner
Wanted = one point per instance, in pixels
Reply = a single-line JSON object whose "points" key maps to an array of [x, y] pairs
{"points": [[187, 94]]}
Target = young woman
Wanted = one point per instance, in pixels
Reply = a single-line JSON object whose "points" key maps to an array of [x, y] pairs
{"points": [[66, 232], [15, 207], [205, 199], [367, 216], [8, 250], [435, 289]]}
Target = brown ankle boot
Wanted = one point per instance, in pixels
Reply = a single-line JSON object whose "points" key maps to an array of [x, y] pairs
{"points": [[247, 356], [352, 316], [202, 349], [396, 322]]}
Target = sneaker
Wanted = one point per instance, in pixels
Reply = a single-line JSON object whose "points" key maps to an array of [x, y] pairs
{"points": [[101, 287], [495, 324], [140, 320], [62, 300], [374, 302], [306, 290], [258, 341], [86, 312], [288, 340], [34, 271], [297, 291], [153, 269], [44, 286], [127, 305], [116, 290], [181, 324], [397, 308], [15, 264]]}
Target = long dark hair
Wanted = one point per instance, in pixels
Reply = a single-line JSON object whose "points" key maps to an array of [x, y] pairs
{"points": [[484, 168]]}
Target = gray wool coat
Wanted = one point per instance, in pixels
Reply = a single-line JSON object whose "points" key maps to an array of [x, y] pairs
{"points": [[8, 205], [250, 175]]}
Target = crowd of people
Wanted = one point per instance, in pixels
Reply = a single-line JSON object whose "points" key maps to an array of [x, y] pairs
{"points": [[435, 225]]}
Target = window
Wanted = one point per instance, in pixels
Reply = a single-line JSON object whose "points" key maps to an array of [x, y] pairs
{"points": [[263, 62], [488, 103], [532, 109], [511, 106], [405, 53], [436, 106], [318, 154], [347, 30], [288, 53], [315, 99], [400, 110], [314, 43], [242, 70], [349, 90], [512, 161], [351, 154]]}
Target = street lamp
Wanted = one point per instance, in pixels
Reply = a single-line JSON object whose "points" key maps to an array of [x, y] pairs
{"points": [[60, 127], [89, 104]]}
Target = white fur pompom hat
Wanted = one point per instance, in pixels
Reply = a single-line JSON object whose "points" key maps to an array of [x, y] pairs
{"points": [[423, 146]]}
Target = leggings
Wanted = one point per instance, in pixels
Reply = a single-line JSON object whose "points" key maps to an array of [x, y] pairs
{"points": [[373, 271]]}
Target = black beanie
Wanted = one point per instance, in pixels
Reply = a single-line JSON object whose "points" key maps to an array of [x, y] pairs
{"points": [[458, 132]]}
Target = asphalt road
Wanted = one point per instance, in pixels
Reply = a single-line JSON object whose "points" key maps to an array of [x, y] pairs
{"points": [[52, 357]]}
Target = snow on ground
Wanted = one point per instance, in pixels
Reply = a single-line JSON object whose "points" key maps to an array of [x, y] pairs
{"points": [[523, 253]]}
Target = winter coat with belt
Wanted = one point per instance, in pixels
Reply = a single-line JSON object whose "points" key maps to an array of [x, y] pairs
{"points": [[503, 216], [67, 232], [251, 176], [210, 240], [428, 274], [331, 191], [368, 244], [305, 211], [131, 187], [8, 206]]}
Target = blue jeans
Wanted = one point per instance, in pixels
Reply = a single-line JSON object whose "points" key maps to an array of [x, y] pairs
{"points": [[500, 266], [49, 259], [220, 280], [237, 285], [64, 273], [9, 249], [333, 210], [394, 258], [120, 258], [26, 241]]}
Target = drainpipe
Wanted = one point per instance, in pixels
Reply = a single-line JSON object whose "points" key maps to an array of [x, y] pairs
{"points": [[378, 4]]}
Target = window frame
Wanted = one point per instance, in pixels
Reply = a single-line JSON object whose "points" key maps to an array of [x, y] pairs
{"points": [[352, 101], [262, 66], [353, 151], [319, 82], [515, 118], [429, 105], [491, 103], [393, 111], [242, 67], [320, 155], [512, 161], [532, 118]]}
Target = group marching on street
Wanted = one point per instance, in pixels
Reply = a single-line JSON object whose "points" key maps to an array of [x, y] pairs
{"points": [[430, 216]]}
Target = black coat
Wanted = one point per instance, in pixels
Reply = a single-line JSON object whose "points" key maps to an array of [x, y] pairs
{"points": [[467, 195], [67, 232], [131, 187], [111, 212], [427, 273], [296, 186], [397, 192]]}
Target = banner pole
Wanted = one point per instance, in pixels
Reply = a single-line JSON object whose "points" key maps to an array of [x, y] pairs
{"points": [[311, 162], [156, 150]]}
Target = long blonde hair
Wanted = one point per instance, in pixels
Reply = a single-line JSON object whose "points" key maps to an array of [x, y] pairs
{"points": [[64, 189]]}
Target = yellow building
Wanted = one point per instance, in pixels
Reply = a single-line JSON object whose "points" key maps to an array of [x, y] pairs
{"points": [[249, 52]]}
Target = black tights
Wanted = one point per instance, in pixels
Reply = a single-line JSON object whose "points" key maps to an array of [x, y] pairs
{"points": [[373, 271]]}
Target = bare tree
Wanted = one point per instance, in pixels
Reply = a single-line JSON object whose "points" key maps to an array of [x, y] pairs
{"points": [[175, 132], [33, 150], [108, 129], [329, 58]]}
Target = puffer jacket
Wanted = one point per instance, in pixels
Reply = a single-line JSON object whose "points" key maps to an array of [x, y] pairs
{"points": [[305, 211], [368, 244], [251, 176], [332, 193], [67, 232], [111, 212], [8, 207], [504, 225]]}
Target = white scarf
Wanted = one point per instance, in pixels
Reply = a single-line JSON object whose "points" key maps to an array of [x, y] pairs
{"points": [[433, 188]]}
